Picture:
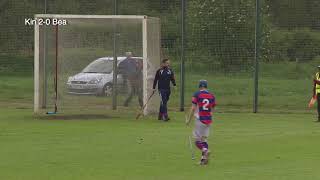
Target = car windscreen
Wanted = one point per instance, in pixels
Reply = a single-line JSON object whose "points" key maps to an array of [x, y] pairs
{"points": [[99, 66]]}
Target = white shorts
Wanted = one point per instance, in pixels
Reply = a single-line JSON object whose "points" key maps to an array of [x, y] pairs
{"points": [[201, 130]]}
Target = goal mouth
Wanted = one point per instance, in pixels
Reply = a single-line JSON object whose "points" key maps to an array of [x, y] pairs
{"points": [[92, 63]]}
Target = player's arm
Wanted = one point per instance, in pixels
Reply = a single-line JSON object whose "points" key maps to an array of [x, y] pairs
{"points": [[316, 81], [314, 90], [172, 78], [155, 81], [191, 112], [192, 109]]}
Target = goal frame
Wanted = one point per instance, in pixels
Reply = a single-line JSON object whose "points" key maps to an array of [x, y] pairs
{"points": [[39, 101]]}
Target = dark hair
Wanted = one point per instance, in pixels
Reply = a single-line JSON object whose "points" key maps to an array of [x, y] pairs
{"points": [[165, 60]]}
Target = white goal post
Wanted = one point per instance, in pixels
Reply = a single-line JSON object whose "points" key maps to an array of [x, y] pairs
{"points": [[65, 45]]}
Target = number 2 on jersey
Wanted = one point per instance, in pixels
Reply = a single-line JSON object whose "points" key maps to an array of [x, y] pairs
{"points": [[206, 103]]}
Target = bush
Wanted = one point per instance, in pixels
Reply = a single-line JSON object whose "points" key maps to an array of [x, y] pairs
{"points": [[301, 45]]}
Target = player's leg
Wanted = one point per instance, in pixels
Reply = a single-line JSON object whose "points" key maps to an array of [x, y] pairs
{"points": [[205, 135], [205, 151], [161, 94], [165, 98], [125, 83], [198, 138], [140, 96], [166, 105], [318, 104], [197, 135], [130, 93], [201, 133]]}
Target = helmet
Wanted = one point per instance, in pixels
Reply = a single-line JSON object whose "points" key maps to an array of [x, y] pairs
{"points": [[203, 83]]}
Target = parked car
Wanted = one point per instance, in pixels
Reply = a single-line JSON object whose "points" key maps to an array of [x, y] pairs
{"points": [[96, 78]]}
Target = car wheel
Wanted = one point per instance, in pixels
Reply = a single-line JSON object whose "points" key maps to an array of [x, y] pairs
{"points": [[107, 90]]}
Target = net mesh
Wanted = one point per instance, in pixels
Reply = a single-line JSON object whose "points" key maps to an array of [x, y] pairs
{"points": [[219, 47], [290, 55], [80, 55]]}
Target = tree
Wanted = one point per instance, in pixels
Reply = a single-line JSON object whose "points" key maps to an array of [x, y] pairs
{"points": [[295, 13], [224, 30]]}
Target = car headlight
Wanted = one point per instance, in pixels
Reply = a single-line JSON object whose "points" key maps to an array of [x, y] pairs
{"points": [[94, 81], [69, 80]]}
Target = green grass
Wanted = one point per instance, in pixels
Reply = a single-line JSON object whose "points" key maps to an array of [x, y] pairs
{"points": [[233, 93], [95, 144], [16, 89], [283, 87], [246, 146]]}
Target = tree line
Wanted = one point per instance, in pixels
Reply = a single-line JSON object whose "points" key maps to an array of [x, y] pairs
{"points": [[218, 31]]}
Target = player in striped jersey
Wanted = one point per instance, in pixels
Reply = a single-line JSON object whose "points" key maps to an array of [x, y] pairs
{"points": [[203, 103]]}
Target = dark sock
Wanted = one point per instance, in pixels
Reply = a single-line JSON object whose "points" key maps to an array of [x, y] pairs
{"points": [[205, 145], [199, 145]]}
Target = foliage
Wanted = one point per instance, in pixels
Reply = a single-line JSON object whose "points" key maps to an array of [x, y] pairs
{"points": [[220, 33], [224, 30], [295, 13], [301, 45]]}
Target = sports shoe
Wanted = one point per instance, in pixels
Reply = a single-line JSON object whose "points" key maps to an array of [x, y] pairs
{"points": [[202, 161], [206, 157], [166, 118]]}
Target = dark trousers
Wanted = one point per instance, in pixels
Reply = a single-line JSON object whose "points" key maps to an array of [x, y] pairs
{"points": [[164, 95], [133, 89], [318, 102]]}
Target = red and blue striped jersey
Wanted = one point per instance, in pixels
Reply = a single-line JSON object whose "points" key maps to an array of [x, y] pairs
{"points": [[205, 102]]}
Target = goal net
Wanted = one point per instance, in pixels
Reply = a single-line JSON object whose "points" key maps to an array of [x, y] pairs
{"points": [[75, 68]]}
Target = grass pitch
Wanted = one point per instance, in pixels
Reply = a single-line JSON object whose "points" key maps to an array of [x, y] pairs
{"points": [[114, 146], [245, 146]]}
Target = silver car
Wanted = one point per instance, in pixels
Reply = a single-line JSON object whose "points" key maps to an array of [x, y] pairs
{"points": [[96, 78]]}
